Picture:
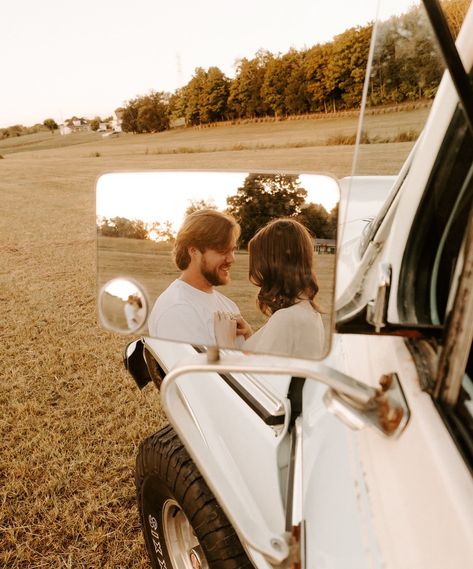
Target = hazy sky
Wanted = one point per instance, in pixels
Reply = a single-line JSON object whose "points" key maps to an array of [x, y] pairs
{"points": [[68, 57]]}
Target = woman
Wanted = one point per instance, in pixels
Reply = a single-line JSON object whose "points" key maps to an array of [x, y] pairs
{"points": [[281, 264]]}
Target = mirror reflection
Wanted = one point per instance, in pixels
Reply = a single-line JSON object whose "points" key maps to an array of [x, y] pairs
{"points": [[122, 306], [238, 260]]}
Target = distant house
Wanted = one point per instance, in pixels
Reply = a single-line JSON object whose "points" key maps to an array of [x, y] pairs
{"points": [[117, 119], [325, 246], [64, 129], [102, 127], [77, 125]]}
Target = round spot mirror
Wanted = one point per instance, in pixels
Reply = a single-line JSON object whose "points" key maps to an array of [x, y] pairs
{"points": [[122, 306]]}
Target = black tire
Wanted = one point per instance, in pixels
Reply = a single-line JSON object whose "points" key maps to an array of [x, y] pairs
{"points": [[169, 487]]}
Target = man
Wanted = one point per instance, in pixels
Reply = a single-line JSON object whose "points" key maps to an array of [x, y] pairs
{"points": [[204, 251]]}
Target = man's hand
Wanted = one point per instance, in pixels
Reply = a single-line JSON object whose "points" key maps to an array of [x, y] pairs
{"points": [[225, 327]]}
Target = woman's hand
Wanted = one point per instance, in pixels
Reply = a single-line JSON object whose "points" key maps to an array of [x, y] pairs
{"points": [[243, 328], [225, 328]]}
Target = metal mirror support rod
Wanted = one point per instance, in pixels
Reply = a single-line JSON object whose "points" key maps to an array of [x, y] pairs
{"points": [[454, 63], [340, 382]]}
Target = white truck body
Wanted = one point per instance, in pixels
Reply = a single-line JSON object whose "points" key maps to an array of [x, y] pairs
{"points": [[366, 500]]}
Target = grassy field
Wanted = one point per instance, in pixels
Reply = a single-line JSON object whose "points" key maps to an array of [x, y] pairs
{"points": [[71, 418]]}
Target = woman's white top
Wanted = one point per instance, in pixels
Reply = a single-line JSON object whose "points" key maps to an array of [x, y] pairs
{"points": [[297, 331]]}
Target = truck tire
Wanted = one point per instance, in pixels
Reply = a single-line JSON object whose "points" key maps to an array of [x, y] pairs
{"points": [[183, 526]]}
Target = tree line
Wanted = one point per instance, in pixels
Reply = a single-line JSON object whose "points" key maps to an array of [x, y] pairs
{"points": [[323, 78], [20, 130], [261, 198]]}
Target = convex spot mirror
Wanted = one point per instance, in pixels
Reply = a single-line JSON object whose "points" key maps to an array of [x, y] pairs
{"points": [[192, 247], [123, 306]]}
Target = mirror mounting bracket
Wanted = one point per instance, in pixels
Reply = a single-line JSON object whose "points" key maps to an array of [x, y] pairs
{"points": [[388, 412], [213, 354]]}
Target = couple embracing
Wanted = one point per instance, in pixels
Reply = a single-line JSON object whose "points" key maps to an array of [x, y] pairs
{"points": [[280, 263]]}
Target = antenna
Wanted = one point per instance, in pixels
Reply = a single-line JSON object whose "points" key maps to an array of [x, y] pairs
{"points": [[178, 69]]}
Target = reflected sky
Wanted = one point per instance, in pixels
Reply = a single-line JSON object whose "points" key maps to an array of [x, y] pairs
{"points": [[164, 196]]}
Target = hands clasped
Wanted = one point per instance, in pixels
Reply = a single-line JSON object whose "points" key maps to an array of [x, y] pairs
{"points": [[228, 326]]}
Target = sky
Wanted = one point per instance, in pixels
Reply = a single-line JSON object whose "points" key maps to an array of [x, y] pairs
{"points": [[134, 195], [60, 58]]}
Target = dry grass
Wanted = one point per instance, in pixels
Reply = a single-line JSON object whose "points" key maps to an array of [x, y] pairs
{"points": [[71, 418]]}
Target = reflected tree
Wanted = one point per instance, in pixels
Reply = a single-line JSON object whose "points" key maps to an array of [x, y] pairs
{"points": [[197, 205], [122, 227], [264, 197]]}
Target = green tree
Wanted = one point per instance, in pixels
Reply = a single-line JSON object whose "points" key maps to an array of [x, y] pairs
{"points": [[318, 84], [214, 96], [332, 223], [316, 218], [153, 112], [147, 113], [51, 125], [177, 104], [274, 85], [193, 93], [264, 197], [284, 88], [407, 64], [296, 94], [245, 100], [421, 63], [123, 227], [95, 124], [346, 67], [14, 130], [130, 116]]}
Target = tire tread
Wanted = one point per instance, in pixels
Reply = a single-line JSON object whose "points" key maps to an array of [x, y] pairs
{"points": [[164, 455]]}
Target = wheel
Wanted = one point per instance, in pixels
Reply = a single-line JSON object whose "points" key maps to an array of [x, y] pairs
{"points": [[183, 526]]}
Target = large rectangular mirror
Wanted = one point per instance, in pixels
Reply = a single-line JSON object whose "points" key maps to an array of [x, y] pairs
{"points": [[235, 259]]}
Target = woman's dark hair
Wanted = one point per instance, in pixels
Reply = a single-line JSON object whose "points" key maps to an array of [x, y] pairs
{"points": [[281, 264]]}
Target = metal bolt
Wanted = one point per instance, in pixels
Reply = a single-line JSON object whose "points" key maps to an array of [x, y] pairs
{"points": [[276, 544]]}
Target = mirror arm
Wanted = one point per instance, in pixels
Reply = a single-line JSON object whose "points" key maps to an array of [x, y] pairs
{"points": [[355, 403], [359, 392]]}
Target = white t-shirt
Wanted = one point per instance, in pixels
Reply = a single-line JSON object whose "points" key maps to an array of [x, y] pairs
{"points": [[297, 331], [186, 314], [131, 315]]}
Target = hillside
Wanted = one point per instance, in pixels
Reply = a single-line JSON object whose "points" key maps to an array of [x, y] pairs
{"points": [[296, 133]]}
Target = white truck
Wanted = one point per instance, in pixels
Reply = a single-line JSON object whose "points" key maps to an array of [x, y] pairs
{"points": [[361, 460]]}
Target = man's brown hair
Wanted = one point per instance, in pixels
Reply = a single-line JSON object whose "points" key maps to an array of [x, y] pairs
{"points": [[204, 229], [281, 264]]}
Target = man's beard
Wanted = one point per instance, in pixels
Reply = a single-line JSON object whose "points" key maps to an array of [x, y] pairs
{"points": [[211, 275]]}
